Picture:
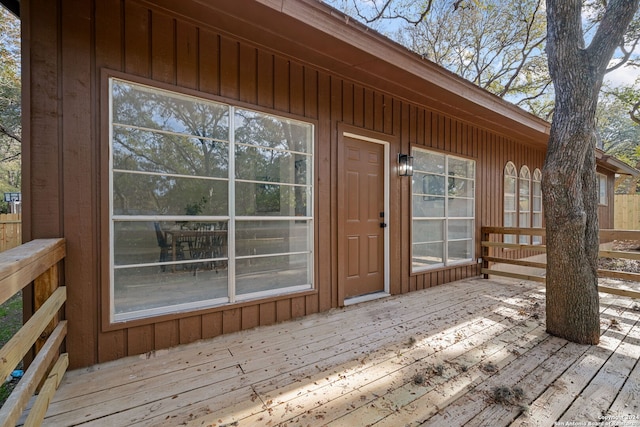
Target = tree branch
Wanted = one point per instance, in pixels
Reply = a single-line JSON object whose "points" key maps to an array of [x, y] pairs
{"points": [[526, 50], [7, 132], [541, 92], [10, 158], [380, 13], [627, 55], [610, 33]]}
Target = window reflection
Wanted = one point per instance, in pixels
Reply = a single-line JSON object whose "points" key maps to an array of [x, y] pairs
{"points": [[443, 206], [172, 220]]}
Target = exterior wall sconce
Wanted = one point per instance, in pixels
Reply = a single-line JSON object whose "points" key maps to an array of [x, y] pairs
{"points": [[405, 165]]}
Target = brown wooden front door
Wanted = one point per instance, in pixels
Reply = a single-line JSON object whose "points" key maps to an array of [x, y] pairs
{"points": [[362, 181]]}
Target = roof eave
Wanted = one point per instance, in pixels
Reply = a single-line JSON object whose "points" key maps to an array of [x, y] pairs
{"points": [[614, 164], [12, 6]]}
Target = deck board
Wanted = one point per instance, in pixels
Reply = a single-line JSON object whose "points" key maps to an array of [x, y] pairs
{"points": [[432, 357], [596, 398], [549, 405]]}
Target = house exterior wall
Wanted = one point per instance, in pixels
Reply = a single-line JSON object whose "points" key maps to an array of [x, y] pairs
{"points": [[69, 47]]}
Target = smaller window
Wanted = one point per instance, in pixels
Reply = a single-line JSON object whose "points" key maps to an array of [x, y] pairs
{"points": [[443, 210], [602, 190]]}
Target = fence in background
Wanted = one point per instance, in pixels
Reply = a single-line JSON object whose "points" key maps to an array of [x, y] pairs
{"points": [[627, 212], [10, 231]]}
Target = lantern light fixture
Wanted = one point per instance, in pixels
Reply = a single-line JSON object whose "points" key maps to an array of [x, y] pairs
{"points": [[405, 165]]}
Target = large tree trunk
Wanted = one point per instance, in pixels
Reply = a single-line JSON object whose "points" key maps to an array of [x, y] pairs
{"points": [[571, 208], [568, 177]]}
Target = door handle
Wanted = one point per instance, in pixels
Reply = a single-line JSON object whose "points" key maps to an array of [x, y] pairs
{"points": [[383, 225]]}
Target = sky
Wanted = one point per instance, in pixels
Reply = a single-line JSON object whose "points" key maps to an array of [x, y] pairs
{"points": [[623, 76]]}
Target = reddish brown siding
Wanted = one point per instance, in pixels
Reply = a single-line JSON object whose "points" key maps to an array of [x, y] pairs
{"points": [[66, 156]]}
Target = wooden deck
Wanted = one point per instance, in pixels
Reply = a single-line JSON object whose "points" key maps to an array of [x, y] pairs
{"points": [[471, 353]]}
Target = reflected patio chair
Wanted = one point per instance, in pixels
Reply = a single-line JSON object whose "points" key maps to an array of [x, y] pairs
{"points": [[201, 247], [219, 243], [166, 247]]}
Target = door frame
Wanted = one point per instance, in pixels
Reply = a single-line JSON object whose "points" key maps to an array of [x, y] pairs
{"points": [[359, 135]]}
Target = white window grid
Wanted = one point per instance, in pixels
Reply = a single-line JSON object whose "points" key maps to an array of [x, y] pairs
{"points": [[446, 218], [231, 219]]}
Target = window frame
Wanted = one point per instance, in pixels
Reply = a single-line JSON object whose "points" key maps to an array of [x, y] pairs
{"points": [[536, 194], [113, 321], [524, 196], [603, 182], [510, 172], [445, 218], [534, 185]]}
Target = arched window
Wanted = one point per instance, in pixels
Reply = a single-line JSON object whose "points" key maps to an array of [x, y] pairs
{"points": [[524, 202], [536, 196], [510, 207]]}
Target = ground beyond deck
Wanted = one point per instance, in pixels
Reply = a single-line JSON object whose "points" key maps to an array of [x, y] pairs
{"points": [[472, 353]]}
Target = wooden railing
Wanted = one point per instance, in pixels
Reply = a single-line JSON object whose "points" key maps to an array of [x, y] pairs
{"points": [[490, 247], [37, 262]]}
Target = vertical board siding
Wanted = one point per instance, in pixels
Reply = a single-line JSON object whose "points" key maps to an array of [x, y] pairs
{"points": [[140, 339], [324, 220], [212, 325], [131, 38], [229, 68], [311, 93], [283, 310], [163, 48], [167, 334], [187, 47], [79, 223], [190, 329], [265, 79], [231, 320], [109, 47], [250, 316], [136, 39], [248, 75], [208, 62], [296, 89], [267, 313], [282, 101], [347, 103]]}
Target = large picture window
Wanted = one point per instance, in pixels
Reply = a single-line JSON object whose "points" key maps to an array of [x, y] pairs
{"points": [[443, 209], [209, 204]]}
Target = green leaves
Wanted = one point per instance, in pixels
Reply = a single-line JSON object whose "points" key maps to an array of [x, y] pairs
{"points": [[10, 111]]}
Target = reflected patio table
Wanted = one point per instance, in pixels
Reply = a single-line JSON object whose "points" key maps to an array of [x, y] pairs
{"points": [[189, 236]]}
